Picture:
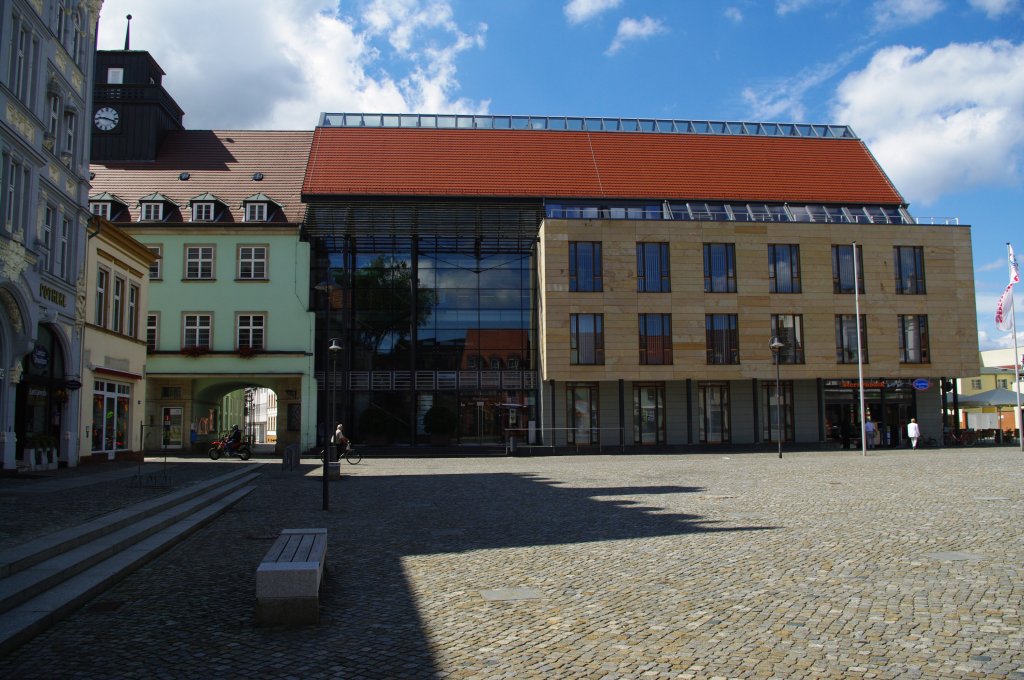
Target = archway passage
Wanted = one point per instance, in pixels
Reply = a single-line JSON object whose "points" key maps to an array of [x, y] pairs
{"points": [[40, 402]]}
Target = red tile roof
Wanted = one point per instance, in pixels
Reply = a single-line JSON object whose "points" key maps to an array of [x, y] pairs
{"points": [[219, 162], [562, 164]]}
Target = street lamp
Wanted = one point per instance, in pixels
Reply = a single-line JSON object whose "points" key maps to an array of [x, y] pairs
{"points": [[327, 286], [776, 345]]}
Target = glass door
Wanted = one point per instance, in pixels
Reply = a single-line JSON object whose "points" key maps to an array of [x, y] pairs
{"points": [[172, 427]]}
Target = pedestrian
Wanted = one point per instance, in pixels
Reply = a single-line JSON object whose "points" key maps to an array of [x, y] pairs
{"points": [[339, 440], [913, 432], [869, 433]]}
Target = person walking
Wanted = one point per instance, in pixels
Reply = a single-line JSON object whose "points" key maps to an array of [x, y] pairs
{"points": [[913, 432], [869, 433]]}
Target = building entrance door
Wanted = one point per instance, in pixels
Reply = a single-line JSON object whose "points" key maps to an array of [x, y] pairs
{"points": [[480, 419], [171, 419]]}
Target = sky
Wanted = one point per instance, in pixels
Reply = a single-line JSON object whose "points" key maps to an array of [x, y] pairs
{"points": [[935, 88]]}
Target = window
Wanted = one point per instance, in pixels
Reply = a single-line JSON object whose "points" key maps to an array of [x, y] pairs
{"points": [[199, 262], [155, 270], [771, 418], [132, 316], [250, 331], [202, 212], [152, 211], [649, 413], [652, 268], [842, 269], [1003, 383], [76, 39], [846, 338], [62, 21], [719, 268], [24, 49], [913, 331], [714, 413], [115, 76], [53, 117], [586, 339], [15, 182], [252, 262], [46, 238], [152, 332], [655, 339], [102, 281], [789, 328], [909, 264], [100, 209], [69, 137], [585, 269], [722, 338], [197, 330], [783, 268], [975, 383], [255, 212], [117, 305], [60, 252], [111, 404], [581, 406]]}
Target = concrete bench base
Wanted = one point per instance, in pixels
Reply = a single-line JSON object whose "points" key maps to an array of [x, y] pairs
{"points": [[289, 578]]}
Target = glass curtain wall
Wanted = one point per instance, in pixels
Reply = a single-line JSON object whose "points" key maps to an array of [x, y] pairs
{"points": [[433, 321]]}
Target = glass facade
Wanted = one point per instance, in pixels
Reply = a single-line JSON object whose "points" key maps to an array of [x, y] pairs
{"points": [[430, 321]]}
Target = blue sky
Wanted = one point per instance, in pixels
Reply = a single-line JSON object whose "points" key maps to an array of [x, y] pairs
{"points": [[935, 87]]}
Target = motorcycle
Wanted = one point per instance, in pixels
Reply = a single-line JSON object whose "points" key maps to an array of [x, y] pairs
{"points": [[221, 447]]}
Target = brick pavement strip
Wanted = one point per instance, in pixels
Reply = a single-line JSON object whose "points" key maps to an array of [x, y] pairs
{"points": [[821, 565]]}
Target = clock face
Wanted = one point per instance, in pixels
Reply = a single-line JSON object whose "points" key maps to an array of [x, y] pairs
{"points": [[106, 118]]}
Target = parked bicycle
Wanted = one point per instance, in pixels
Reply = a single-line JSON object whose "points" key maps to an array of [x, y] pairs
{"points": [[351, 454], [964, 438]]}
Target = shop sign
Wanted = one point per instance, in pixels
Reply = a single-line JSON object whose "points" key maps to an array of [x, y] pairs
{"points": [[922, 384], [52, 294], [870, 384], [40, 357]]}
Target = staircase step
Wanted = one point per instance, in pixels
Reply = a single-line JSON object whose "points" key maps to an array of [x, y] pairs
{"points": [[29, 618], [22, 556], [37, 578]]}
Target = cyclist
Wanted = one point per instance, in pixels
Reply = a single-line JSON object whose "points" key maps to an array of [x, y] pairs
{"points": [[339, 440]]}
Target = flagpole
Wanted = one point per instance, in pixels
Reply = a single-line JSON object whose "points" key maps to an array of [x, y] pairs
{"points": [[860, 359], [1018, 418]]}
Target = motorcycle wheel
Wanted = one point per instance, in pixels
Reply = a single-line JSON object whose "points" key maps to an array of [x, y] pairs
{"points": [[214, 452], [244, 453]]}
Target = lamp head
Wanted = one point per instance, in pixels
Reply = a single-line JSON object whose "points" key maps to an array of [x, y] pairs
{"points": [[775, 344], [335, 345]]}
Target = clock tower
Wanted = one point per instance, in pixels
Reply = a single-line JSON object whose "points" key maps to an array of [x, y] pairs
{"points": [[131, 109]]}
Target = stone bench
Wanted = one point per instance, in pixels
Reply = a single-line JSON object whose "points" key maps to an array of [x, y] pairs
{"points": [[289, 577]]}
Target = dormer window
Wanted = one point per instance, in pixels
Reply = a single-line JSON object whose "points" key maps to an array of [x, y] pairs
{"points": [[255, 212], [106, 205], [154, 207], [205, 208], [202, 212], [259, 207], [152, 211]]}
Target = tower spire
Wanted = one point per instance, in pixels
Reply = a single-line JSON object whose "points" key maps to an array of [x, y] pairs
{"points": [[128, 34]]}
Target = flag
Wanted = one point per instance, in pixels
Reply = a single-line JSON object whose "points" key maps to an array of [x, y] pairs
{"points": [[1006, 299]]}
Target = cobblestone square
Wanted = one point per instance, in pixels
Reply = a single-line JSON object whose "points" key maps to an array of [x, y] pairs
{"points": [[903, 564]]}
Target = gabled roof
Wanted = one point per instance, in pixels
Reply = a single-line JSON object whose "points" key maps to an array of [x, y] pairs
{"points": [[106, 196], [259, 198], [220, 163], [156, 197], [370, 161], [205, 198]]}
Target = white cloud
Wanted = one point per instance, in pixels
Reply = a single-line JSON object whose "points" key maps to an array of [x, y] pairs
{"points": [[942, 121], [633, 29], [734, 14], [261, 64], [578, 11], [784, 7], [995, 265], [995, 8], [782, 99], [891, 13]]}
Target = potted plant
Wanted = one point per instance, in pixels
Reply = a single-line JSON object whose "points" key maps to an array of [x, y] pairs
{"points": [[46, 450], [440, 423]]}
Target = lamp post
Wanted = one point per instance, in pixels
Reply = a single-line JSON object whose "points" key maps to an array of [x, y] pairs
{"points": [[776, 345], [326, 286]]}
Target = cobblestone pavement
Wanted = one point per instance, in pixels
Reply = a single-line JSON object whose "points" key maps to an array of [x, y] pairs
{"points": [[821, 565]]}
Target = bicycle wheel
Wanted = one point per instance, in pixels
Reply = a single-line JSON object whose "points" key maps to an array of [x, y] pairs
{"points": [[969, 439], [352, 455]]}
